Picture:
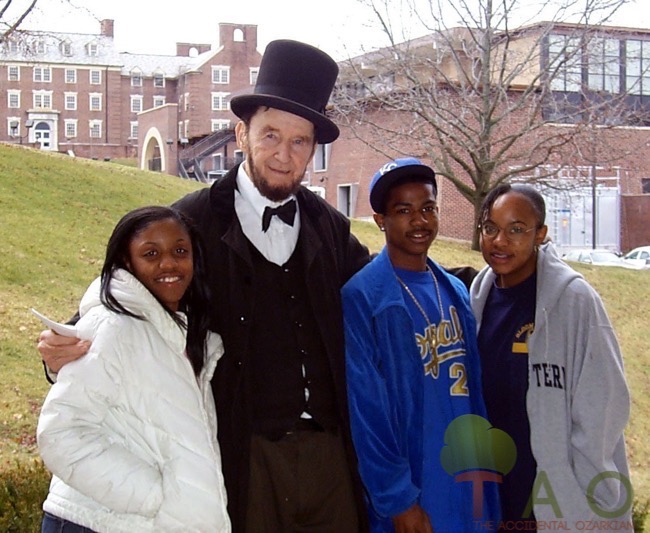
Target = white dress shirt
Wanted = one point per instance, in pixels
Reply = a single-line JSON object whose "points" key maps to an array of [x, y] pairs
{"points": [[279, 241]]}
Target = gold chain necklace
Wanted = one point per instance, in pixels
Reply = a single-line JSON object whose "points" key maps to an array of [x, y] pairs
{"points": [[417, 303], [430, 334]]}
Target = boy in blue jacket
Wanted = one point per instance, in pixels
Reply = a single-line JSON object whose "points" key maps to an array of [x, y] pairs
{"points": [[412, 366]]}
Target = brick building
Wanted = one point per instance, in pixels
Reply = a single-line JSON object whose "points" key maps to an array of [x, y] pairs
{"points": [[607, 157], [75, 93]]}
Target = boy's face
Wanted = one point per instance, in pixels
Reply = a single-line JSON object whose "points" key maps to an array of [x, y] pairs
{"points": [[411, 224]]}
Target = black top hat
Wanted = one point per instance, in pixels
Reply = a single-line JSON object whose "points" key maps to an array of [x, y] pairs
{"points": [[297, 78]]}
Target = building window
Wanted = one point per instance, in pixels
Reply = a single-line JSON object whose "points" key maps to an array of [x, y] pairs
{"points": [[220, 101], [604, 57], [158, 101], [321, 157], [13, 126], [637, 67], [95, 77], [43, 99], [70, 101], [66, 48], [253, 75], [136, 104], [645, 185], [134, 130], [95, 129], [180, 129], [136, 79], [38, 46], [186, 99], [220, 74], [13, 99], [43, 74], [186, 129], [239, 156], [158, 80], [13, 73], [71, 75], [95, 101], [70, 128], [218, 125], [564, 59], [92, 49], [14, 46]]}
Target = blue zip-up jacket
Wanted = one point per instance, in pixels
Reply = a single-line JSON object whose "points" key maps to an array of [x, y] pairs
{"points": [[385, 379]]}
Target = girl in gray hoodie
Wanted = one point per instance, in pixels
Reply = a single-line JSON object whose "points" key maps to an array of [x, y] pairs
{"points": [[553, 375]]}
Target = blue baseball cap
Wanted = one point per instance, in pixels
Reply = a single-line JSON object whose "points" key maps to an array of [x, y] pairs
{"points": [[394, 171]]}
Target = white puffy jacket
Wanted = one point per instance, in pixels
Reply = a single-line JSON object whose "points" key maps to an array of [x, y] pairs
{"points": [[127, 431]]}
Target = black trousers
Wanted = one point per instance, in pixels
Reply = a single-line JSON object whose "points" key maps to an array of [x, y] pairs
{"points": [[300, 482]]}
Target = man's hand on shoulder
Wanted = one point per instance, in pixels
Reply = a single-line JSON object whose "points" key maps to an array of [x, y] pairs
{"points": [[413, 520], [57, 350]]}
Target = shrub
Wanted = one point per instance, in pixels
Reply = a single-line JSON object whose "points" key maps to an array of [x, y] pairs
{"points": [[640, 512], [23, 487]]}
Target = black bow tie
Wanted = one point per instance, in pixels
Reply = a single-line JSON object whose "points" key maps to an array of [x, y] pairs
{"points": [[286, 212]]}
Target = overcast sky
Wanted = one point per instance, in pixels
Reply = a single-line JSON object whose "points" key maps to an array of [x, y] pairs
{"points": [[339, 27]]}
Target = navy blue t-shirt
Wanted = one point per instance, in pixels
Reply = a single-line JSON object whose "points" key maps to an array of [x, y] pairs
{"points": [[508, 319]]}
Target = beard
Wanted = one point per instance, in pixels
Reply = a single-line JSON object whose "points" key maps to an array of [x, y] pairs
{"points": [[277, 192]]}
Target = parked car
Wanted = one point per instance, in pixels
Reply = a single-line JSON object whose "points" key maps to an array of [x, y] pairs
{"points": [[599, 258], [639, 256]]}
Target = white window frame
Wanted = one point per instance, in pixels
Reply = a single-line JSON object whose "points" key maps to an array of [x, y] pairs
{"points": [[252, 75], [70, 128], [136, 78], [217, 124], [97, 73], [321, 157], [158, 101], [220, 101], [221, 74], [92, 49], [71, 75], [158, 80], [16, 121], [13, 94], [133, 129], [13, 73], [95, 129], [136, 98], [42, 99], [42, 74], [186, 98], [70, 101], [66, 48], [95, 102]]}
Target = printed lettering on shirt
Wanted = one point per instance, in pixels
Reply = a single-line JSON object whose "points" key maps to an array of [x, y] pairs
{"points": [[441, 343], [550, 375], [520, 344]]}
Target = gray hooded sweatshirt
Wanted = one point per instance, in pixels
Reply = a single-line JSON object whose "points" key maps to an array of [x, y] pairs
{"points": [[578, 401]]}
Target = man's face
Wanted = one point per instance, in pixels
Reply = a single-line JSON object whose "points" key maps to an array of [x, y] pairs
{"points": [[411, 224], [278, 147]]}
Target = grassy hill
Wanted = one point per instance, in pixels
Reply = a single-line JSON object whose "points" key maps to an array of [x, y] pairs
{"points": [[56, 214]]}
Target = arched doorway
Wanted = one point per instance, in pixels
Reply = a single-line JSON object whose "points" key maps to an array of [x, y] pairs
{"points": [[42, 135]]}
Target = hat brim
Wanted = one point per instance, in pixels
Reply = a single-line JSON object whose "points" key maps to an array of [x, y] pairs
{"points": [[383, 185], [326, 130]]}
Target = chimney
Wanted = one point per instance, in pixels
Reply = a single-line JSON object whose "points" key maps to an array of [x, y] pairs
{"points": [[107, 27]]}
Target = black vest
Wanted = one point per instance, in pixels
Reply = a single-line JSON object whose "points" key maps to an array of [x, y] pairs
{"points": [[287, 356]]}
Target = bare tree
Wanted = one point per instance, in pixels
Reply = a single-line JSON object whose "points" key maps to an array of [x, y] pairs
{"points": [[12, 14], [484, 101]]}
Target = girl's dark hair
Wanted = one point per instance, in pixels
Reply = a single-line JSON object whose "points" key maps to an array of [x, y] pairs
{"points": [[534, 197], [195, 301]]}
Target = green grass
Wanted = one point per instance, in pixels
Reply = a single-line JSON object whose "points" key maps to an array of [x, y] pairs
{"points": [[56, 214]]}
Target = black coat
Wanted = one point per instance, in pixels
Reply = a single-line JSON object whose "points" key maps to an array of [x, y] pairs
{"points": [[331, 256]]}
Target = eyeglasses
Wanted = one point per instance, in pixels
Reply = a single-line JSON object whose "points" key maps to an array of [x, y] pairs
{"points": [[513, 232]]}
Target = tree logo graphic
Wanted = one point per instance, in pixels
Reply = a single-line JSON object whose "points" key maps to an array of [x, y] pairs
{"points": [[475, 451]]}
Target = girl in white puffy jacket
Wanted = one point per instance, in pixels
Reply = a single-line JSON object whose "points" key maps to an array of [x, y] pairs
{"points": [[129, 430]]}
